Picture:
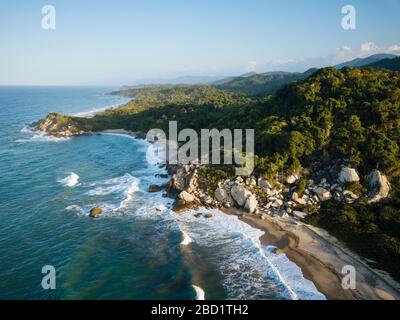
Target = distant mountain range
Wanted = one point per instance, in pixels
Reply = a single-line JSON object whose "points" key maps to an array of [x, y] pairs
{"points": [[392, 64], [360, 62], [267, 83], [253, 83]]}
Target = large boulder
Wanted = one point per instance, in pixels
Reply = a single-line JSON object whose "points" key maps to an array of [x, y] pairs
{"points": [[186, 196], [348, 175], [223, 196], [240, 195], [95, 212], [379, 186], [251, 204]]}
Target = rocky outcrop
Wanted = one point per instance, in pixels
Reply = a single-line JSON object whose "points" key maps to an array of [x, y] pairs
{"points": [[61, 126], [240, 195], [286, 195], [379, 186], [348, 175], [96, 212]]}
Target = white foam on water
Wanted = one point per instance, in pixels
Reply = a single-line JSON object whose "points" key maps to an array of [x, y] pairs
{"points": [[200, 294], [73, 207], [145, 205], [129, 194], [39, 136], [186, 239], [161, 207], [27, 129], [70, 181], [247, 266], [124, 184]]}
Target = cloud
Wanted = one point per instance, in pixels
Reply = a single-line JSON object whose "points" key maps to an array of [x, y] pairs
{"points": [[394, 49], [251, 65], [368, 48], [341, 54]]}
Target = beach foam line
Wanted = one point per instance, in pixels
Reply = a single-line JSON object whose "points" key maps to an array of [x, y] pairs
{"points": [[91, 113], [200, 294], [247, 264], [71, 180]]}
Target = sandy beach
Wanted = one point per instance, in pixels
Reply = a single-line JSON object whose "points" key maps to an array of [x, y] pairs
{"points": [[321, 258]]}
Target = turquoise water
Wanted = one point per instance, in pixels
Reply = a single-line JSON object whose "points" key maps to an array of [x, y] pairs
{"points": [[139, 249]]}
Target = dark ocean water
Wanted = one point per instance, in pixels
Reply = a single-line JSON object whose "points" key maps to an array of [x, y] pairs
{"points": [[139, 249]]}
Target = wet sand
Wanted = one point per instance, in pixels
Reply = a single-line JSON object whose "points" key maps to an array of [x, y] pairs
{"points": [[321, 258]]}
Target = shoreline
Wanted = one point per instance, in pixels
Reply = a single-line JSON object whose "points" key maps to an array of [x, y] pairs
{"points": [[321, 258], [92, 113], [319, 255]]}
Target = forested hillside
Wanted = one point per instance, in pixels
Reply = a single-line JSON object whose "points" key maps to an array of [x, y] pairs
{"points": [[389, 64]]}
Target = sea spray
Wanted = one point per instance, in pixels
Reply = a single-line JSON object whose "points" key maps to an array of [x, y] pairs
{"points": [[70, 181], [186, 239], [129, 194], [200, 294], [38, 136]]}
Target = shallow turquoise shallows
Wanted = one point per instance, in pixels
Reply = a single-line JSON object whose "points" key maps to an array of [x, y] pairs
{"points": [[138, 249]]}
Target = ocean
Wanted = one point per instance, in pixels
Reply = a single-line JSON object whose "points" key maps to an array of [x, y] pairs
{"points": [[139, 248]]}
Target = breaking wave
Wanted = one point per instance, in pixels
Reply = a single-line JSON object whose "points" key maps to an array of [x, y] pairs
{"points": [[71, 181], [200, 294]]}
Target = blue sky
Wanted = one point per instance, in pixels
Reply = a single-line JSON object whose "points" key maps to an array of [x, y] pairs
{"points": [[118, 42]]}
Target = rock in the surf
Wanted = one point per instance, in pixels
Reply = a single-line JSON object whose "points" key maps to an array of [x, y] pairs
{"points": [[95, 212], [154, 188]]}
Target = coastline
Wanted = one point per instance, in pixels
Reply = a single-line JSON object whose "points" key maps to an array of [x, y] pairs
{"points": [[91, 113], [320, 256]]}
